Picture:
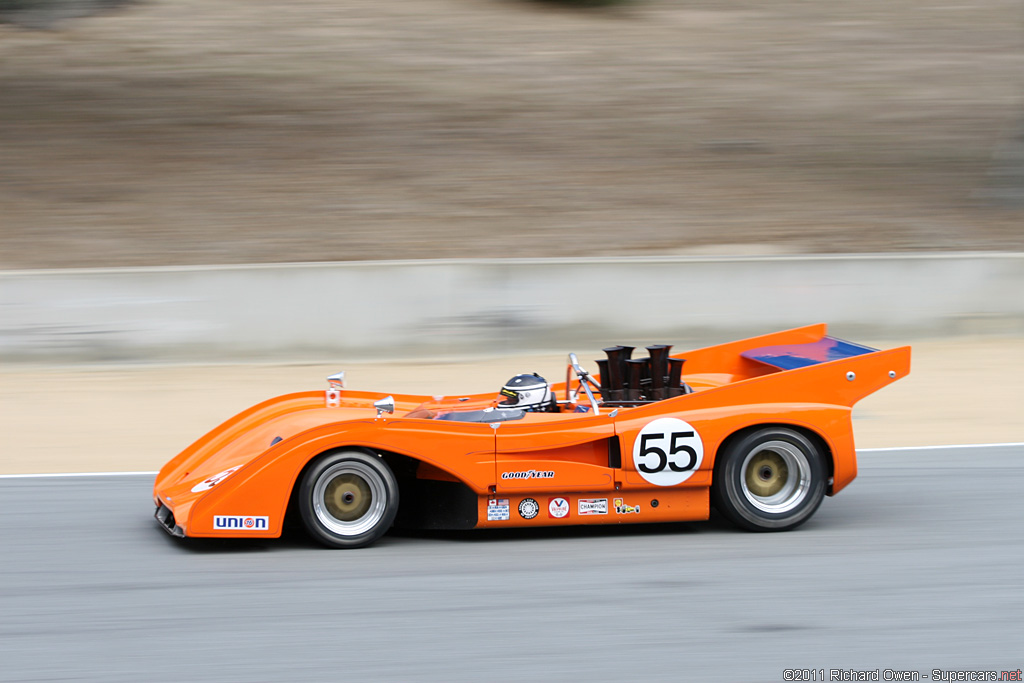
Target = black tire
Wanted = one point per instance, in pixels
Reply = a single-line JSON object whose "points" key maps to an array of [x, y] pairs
{"points": [[348, 499], [772, 479]]}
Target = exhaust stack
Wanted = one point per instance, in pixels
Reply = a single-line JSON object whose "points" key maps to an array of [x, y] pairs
{"points": [[616, 376], [659, 370], [675, 374], [636, 368]]}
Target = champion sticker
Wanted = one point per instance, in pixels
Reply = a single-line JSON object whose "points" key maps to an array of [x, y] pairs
{"points": [[497, 510], [241, 522], [667, 451], [528, 508], [558, 508], [209, 483], [621, 508], [592, 506]]}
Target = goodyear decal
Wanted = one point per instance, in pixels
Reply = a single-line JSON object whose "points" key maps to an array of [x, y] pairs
{"points": [[529, 474]]}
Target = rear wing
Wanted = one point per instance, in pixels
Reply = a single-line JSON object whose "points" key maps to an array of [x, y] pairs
{"points": [[792, 356], [802, 365]]}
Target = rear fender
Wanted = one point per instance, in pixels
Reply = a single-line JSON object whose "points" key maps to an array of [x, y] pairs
{"points": [[831, 424], [837, 448]]}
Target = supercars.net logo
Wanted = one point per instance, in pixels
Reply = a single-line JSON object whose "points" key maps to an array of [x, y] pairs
{"points": [[241, 522]]}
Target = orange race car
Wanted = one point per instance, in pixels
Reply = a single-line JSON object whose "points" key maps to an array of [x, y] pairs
{"points": [[759, 428]]}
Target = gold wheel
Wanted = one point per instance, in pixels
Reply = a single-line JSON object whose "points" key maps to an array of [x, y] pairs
{"points": [[351, 496], [347, 497], [766, 474], [775, 476], [770, 479]]}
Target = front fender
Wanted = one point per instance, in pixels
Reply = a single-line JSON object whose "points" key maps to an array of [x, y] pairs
{"points": [[262, 488]]}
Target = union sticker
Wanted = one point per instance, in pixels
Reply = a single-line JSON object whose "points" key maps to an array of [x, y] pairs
{"points": [[241, 522]]}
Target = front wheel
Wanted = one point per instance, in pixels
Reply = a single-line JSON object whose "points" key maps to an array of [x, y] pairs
{"points": [[348, 499], [772, 479]]}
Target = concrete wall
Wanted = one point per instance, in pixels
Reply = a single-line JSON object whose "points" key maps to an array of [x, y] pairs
{"points": [[328, 311]]}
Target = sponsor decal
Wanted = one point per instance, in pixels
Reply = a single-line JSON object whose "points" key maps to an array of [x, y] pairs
{"points": [[622, 509], [558, 508], [241, 522], [209, 483], [667, 451], [529, 474], [592, 506], [497, 510], [528, 508]]}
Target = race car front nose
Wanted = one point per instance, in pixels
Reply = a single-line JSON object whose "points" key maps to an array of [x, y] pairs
{"points": [[165, 517]]}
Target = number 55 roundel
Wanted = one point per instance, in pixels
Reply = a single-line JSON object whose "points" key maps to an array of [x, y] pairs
{"points": [[667, 451]]}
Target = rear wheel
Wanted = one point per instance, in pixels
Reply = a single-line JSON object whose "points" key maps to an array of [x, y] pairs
{"points": [[348, 499], [772, 479]]}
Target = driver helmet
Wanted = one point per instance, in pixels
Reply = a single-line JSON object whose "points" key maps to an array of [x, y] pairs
{"points": [[526, 392]]}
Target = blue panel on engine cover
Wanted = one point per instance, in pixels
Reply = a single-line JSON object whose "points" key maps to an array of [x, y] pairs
{"points": [[792, 356]]}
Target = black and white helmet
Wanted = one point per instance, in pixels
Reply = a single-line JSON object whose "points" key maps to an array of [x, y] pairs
{"points": [[526, 392]]}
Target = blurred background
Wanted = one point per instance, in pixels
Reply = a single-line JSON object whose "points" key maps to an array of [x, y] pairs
{"points": [[192, 132], [691, 170]]}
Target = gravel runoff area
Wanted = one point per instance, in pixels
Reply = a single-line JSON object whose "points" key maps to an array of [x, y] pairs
{"points": [[187, 132], [79, 419]]}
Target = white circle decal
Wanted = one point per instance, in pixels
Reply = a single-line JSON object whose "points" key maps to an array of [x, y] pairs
{"points": [[209, 483], [667, 451], [558, 507]]}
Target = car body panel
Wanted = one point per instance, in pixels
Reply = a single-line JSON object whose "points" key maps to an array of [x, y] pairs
{"points": [[574, 449], [656, 459]]}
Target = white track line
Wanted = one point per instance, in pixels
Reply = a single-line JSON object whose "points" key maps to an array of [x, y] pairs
{"points": [[859, 450], [75, 474], [930, 448]]}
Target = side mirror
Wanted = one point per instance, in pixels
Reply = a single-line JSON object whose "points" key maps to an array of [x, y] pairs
{"points": [[385, 405], [336, 382]]}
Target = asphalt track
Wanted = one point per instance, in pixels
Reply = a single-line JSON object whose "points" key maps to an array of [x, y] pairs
{"points": [[916, 566]]}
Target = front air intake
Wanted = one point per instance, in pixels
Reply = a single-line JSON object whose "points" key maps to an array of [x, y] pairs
{"points": [[165, 517]]}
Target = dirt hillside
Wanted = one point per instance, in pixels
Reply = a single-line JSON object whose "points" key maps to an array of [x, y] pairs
{"points": [[187, 131]]}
